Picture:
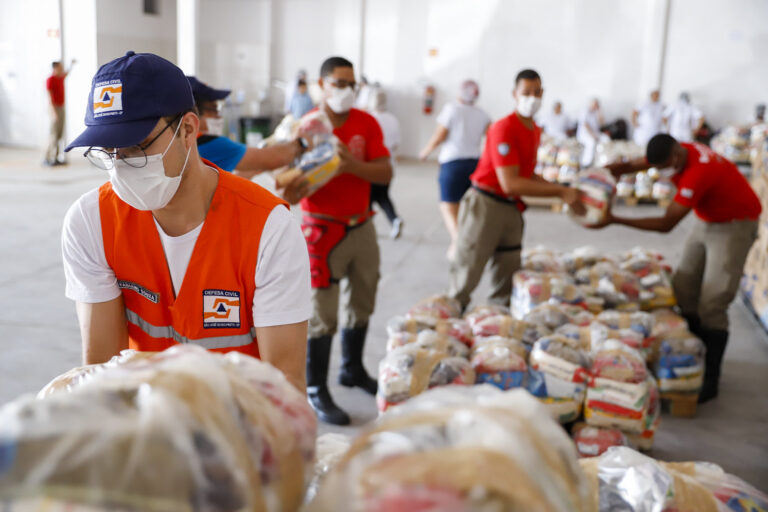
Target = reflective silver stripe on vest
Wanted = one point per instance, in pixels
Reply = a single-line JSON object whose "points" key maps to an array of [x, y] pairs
{"points": [[167, 331]]}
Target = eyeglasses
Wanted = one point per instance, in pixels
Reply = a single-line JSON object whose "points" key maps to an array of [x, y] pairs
{"points": [[342, 84], [134, 156]]}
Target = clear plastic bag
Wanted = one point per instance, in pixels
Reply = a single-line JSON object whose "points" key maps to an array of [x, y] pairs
{"points": [[404, 330], [459, 449], [594, 441], [499, 361], [550, 316], [185, 429], [437, 306], [639, 321], [531, 289], [680, 363], [506, 326], [598, 187], [480, 313]]}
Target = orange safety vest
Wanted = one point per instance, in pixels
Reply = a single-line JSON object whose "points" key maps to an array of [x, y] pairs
{"points": [[214, 305]]}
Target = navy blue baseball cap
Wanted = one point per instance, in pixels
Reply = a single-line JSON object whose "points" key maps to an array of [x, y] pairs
{"points": [[129, 96], [204, 92]]}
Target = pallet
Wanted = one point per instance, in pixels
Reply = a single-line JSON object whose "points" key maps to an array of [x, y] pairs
{"points": [[634, 201], [681, 405]]}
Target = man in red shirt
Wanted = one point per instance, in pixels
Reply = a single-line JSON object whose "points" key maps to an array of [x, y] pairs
{"points": [[490, 221], [343, 251], [727, 209], [55, 86]]}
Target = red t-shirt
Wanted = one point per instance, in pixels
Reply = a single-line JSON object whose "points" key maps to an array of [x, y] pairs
{"points": [[55, 85], [508, 142], [346, 195], [714, 188]]}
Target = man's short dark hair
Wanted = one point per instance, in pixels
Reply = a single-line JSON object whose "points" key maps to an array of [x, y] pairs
{"points": [[660, 149], [332, 63], [526, 74], [55, 63]]}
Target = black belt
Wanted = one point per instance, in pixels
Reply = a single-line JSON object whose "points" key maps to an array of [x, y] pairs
{"points": [[496, 197], [509, 248]]}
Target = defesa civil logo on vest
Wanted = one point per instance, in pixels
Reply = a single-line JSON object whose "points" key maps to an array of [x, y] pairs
{"points": [[108, 98], [221, 309]]}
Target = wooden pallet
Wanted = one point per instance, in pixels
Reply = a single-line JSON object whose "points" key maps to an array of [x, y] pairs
{"points": [[681, 405], [634, 201]]}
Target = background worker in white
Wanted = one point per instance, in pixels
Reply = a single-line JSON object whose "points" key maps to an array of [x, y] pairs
{"points": [[588, 132], [683, 119], [556, 124], [281, 302], [648, 119], [390, 127], [461, 126]]}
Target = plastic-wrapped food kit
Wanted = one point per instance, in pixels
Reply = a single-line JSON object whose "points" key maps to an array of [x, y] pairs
{"points": [[600, 332], [581, 257], [594, 441], [666, 322], [558, 375], [617, 394], [598, 187], [480, 313], [507, 326], [438, 306], [184, 429], [499, 361], [404, 331], [540, 259], [533, 288], [550, 316], [410, 370], [459, 449], [623, 479], [680, 363], [639, 321]]}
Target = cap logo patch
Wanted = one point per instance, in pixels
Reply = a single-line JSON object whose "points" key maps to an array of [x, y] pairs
{"points": [[686, 193], [108, 98]]}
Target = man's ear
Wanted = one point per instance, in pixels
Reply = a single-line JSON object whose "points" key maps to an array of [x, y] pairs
{"points": [[320, 82], [190, 125]]}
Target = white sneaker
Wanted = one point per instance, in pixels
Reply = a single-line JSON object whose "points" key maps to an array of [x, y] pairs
{"points": [[397, 229]]}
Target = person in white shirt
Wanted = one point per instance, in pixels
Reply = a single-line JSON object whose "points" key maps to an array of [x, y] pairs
{"points": [[557, 123], [460, 129], [648, 119], [683, 119], [390, 127], [161, 197], [588, 131]]}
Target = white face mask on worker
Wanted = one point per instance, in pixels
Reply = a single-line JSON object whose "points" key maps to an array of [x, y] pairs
{"points": [[339, 100], [215, 125], [527, 106], [146, 188]]}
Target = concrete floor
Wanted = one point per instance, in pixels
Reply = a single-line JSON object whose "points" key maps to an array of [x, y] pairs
{"points": [[39, 336]]}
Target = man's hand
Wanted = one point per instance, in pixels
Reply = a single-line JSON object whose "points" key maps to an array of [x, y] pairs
{"points": [[572, 197], [615, 168], [348, 160], [423, 155], [607, 221], [296, 190]]}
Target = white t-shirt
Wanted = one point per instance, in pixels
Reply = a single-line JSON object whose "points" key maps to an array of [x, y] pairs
{"points": [[650, 121], [556, 125], [282, 293], [466, 126], [589, 118], [683, 118], [390, 127]]}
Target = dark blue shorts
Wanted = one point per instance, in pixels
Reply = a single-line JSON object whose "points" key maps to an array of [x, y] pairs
{"points": [[454, 179]]}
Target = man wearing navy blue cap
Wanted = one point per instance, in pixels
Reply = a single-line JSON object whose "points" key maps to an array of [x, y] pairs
{"points": [[171, 249], [230, 155]]}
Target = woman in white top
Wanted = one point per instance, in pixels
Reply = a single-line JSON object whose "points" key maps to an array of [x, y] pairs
{"points": [[588, 131], [460, 129], [683, 119]]}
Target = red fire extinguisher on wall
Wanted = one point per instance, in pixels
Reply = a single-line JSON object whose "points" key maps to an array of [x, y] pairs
{"points": [[429, 99]]}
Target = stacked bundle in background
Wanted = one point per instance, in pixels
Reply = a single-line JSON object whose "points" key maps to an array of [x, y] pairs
{"points": [[183, 430]]}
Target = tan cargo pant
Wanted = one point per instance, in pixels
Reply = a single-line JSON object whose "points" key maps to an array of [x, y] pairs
{"points": [[708, 276], [57, 132], [488, 230], [354, 266]]}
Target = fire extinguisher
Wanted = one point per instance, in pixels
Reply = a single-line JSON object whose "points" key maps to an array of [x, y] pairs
{"points": [[429, 99]]}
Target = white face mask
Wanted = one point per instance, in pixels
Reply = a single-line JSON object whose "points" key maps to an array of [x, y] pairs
{"points": [[146, 188], [215, 125], [339, 100], [527, 106]]}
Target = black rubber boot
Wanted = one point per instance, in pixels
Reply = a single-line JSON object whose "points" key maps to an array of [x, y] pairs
{"points": [[318, 359], [715, 341], [353, 372], [694, 323]]}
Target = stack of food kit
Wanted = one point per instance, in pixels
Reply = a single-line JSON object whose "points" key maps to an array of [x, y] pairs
{"points": [[185, 429], [558, 160], [733, 142], [478, 448], [610, 151]]}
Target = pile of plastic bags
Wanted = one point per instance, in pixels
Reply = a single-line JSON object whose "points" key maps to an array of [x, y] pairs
{"points": [[184, 429], [598, 187], [558, 160]]}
